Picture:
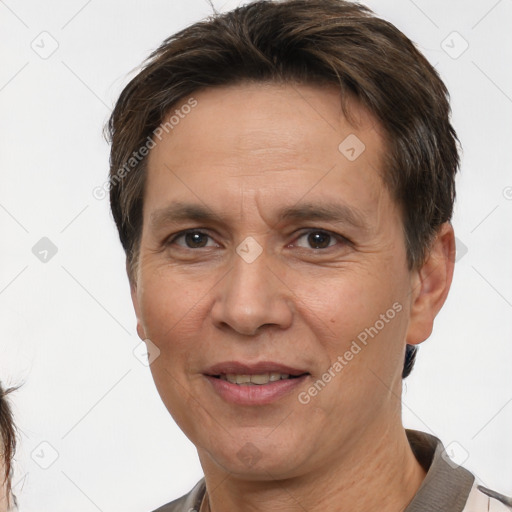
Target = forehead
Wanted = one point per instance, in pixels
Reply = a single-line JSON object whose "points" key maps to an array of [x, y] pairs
{"points": [[274, 143]]}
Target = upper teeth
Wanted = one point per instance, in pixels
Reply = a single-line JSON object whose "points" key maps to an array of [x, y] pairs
{"points": [[260, 378]]}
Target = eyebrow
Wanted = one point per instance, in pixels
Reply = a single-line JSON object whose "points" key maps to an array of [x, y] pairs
{"points": [[329, 212]]}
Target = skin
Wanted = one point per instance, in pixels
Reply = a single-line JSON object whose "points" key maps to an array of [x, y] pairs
{"points": [[3, 487], [245, 152]]}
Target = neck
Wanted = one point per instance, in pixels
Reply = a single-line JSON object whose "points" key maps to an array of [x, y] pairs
{"points": [[381, 475]]}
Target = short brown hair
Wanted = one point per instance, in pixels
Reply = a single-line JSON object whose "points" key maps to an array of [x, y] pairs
{"points": [[7, 441], [300, 41]]}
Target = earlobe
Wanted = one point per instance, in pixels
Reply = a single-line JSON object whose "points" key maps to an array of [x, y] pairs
{"points": [[430, 285]]}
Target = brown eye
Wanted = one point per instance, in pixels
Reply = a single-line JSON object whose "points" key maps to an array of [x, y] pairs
{"points": [[196, 239], [191, 239], [318, 240]]}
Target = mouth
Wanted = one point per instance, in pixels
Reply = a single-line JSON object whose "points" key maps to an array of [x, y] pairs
{"points": [[254, 384], [255, 379]]}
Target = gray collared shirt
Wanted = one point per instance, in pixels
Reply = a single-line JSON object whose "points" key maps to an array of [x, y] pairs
{"points": [[447, 487]]}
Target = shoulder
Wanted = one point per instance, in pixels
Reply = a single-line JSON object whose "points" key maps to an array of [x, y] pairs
{"points": [[448, 486], [481, 499], [190, 502]]}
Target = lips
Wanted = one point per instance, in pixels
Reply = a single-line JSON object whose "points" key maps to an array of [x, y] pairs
{"points": [[238, 368], [255, 379], [254, 384]]}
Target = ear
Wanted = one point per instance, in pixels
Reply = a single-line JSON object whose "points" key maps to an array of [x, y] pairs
{"points": [[430, 285], [135, 302]]}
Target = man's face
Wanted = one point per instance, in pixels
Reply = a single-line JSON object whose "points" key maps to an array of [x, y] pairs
{"points": [[271, 283]]}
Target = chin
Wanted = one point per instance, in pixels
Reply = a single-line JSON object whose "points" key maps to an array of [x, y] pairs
{"points": [[258, 459]]}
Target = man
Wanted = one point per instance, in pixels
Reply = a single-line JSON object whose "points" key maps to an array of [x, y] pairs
{"points": [[8, 447], [282, 179]]}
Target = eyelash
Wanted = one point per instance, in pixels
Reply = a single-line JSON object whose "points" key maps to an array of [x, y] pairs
{"points": [[336, 236]]}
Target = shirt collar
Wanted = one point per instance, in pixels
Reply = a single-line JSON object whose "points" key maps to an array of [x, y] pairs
{"points": [[446, 486]]}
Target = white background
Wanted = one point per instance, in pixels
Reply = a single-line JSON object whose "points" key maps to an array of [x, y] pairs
{"points": [[67, 326]]}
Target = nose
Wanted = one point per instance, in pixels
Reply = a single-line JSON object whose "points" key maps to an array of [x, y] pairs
{"points": [[251, 296]]}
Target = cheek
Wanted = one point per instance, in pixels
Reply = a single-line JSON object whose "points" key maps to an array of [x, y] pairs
{"points": [[342, 301], [361, 330], [170, 311], [358, 316]]}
